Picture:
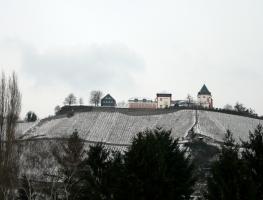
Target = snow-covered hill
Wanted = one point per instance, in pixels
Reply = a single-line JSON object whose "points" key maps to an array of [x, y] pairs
{"points": [[116, 130], [215, 125], [119, 128], [112, 127], [23, 127]]}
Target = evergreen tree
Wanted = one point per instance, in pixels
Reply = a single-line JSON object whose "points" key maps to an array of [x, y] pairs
{"points": [[31, 117], [99, 174], [253, 156], [156, 168], [229, 178], [69, 162]]}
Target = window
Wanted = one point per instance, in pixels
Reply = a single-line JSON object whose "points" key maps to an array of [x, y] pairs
{"points": [[161, 99]]}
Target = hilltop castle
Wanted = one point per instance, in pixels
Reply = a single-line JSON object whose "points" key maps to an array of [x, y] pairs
{"points": [[164, 100], [204, 98]]}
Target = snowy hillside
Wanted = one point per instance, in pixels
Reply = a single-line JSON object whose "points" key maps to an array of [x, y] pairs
{"points": [[116, 130], [23, 127], [215, 125], [113, 127]]}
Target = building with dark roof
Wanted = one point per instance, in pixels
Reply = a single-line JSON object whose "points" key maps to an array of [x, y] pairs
{"points": [[108, 101], [204, 97], [204, 91]]}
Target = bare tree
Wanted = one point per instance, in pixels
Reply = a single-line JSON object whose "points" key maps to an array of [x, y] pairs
{"points": [[95, 97], [239, 107], [228, 107], [81, 102], [189, 100], [10, 107], [122, 104], [26, 190], [70, 99]]}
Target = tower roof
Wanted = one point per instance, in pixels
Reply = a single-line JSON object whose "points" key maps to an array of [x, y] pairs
{"points": [[204, 91]]}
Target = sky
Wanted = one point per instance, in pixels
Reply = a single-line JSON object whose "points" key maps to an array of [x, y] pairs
{"points": [[133, 48]]}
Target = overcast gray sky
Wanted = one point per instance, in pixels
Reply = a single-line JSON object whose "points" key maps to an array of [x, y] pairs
{"points": [[133, 48]]}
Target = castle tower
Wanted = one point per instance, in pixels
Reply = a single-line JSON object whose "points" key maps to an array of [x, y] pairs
{"points": [[205, 98]]}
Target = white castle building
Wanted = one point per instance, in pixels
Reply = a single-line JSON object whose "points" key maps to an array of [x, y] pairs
{"points": [[204, 98]]}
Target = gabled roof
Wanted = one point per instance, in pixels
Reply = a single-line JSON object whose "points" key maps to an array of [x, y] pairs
{"points": [[204, 91], [108, 95]]}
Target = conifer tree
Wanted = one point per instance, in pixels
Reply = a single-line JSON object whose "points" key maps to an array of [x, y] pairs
{"points": [[99, 174], [230, 179], [31, 117], [253, 156], [156, 168]]}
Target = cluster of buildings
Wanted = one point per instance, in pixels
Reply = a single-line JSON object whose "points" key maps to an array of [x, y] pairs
{"points": [[164, 100]]}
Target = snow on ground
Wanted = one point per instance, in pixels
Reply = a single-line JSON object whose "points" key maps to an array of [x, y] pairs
{"points": [[215, 125], [116, 130], [113, 127], [23, 127], [37, 160]]}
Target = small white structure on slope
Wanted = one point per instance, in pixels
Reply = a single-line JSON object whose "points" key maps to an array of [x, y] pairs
{"points": [[205, 98]]}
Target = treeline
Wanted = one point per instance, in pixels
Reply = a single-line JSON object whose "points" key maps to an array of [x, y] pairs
{"points": [[69, 110], [248, 112], [155, 166]]}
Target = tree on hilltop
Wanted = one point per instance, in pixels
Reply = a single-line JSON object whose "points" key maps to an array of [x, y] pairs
{"points": [[70, 100], [81, 102], [228, 107], [190, 100], [239, 107], [57, 109], [95, 97]]}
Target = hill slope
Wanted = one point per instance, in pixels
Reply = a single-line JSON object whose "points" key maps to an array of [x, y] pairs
{"points": [[116, 130], [215, 125], [119, 128], [112, 127]]}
